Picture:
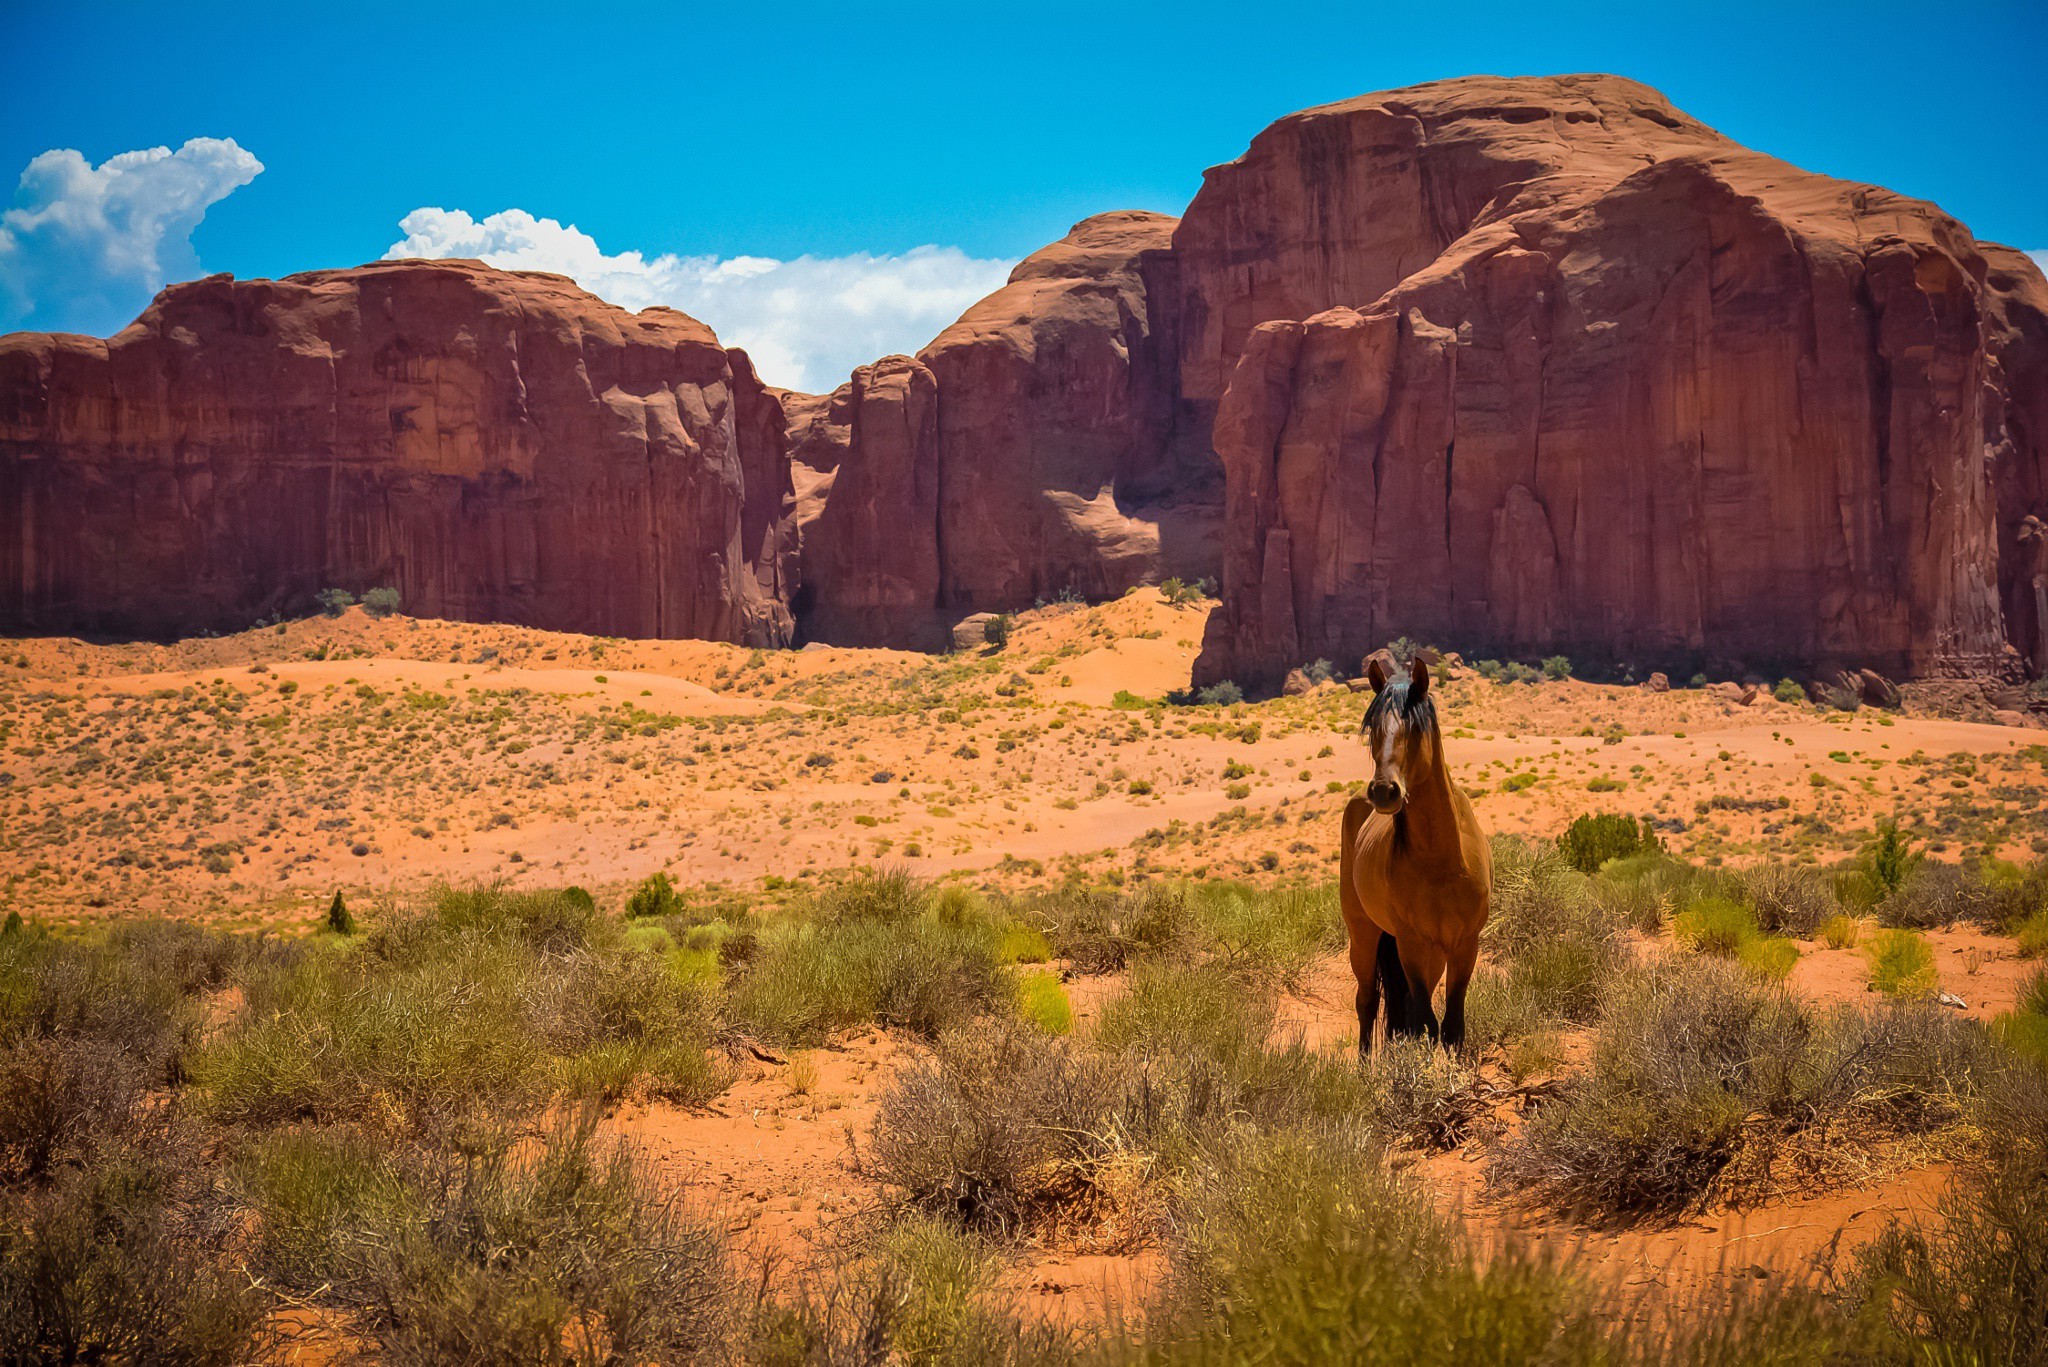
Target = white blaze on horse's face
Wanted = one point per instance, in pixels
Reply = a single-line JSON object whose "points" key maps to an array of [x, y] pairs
{"points": [[1398, 733]]}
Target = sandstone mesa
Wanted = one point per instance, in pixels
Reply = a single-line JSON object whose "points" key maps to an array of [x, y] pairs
{"points": [[1519, 365]]}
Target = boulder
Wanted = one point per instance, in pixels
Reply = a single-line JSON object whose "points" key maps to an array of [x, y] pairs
{"points": [[1657, 683], [1297, 683], [971, 632], [496, 446]]}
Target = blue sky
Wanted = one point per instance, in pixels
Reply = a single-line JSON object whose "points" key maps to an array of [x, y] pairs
{"points": [[846, 137]]}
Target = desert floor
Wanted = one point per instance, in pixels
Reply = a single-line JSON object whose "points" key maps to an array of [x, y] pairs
{"points": [[243, 780]]}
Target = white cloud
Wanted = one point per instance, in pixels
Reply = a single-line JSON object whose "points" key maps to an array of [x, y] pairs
{"points": [[806, 322], [2040, 258], [86, 246]]}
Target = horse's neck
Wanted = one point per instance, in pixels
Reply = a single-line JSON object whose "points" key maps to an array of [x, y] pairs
{"points": [[1428, 821]]}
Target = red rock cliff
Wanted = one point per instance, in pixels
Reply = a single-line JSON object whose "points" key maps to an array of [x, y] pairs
{"points": [[1025, 453], [1542, 366], [495, 446]]}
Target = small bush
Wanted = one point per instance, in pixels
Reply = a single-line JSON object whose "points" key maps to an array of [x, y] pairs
{"points": [[996, 631], [334, 602], [1042, 1000], [1789, 691], [1557, 667], [1789, 900], [1931, 895], [1901, 963], [656, 896], [381, 602], [1102, 932], [1592, 840], [1840, 931], [1772, 956], [120, 1263], [1697, 1061], [1220, 695], [564, 1253], [1890, 858], [339, 920], [1715, 925]]}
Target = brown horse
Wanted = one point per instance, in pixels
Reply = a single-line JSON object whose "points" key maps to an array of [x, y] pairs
{"points": [[1416, 873]]}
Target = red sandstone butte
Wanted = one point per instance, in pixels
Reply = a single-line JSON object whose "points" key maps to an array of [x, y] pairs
{"points": [[494, 445], [1536, 366]]}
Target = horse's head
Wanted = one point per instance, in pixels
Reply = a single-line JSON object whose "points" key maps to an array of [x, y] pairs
{"points": [[1400, 728]]}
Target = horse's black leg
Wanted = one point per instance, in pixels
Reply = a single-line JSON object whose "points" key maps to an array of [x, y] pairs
{"points": [[1368, 1007], [1454, 1012], [1393, 984], [1421, 1011]]}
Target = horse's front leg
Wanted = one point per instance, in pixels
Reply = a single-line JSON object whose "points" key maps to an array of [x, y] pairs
{"points": [[1460, 978], [1365, 949], [1423, 966]]}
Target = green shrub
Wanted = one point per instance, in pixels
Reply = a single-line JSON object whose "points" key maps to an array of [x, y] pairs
{"points": [[1715, 925], [1042, 1000], [1901, 963], [1557, 667], [339, 920], [334, 602], [1592, 840], [1789, 690], [381, 602], [1220, 694], [1932, 894], [996, 631], [1840, 931], [2032, 935], [1772, 956], [1889, 858], [877, 949], [656, 896]]}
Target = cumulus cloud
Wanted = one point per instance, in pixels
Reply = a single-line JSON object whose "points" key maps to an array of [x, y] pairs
{"points": [[85, 246], [805, 322]]}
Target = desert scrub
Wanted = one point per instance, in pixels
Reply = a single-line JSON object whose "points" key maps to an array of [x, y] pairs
{"points": [[1697, 1063], [1934, 894], [1554, 941], [882, 949], [489, 997], [1840, 931], [1000, 1128], [1100, 931], [556, 1251], [1972, 1288], [1278, 933], [1901, 963], [1715, 925], [1788, 900], [125, 1260], [89, 1028], [1211, 1030]]}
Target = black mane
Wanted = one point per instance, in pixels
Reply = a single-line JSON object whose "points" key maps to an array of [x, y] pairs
{"points": [[1394, 697]]}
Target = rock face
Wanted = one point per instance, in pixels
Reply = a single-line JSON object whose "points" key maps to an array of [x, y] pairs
{"points": [[1523, 367], [495, 446], [1025, 453], [1542, 366]]}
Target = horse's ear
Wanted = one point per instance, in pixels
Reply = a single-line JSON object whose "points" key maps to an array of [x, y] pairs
{"points": [[1418, 679], [1377, 667]]}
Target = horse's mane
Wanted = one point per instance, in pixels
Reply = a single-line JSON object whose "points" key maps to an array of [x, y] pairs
{"points": [[1394, 697]]}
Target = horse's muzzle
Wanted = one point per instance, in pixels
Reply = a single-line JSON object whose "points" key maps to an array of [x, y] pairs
{"points": [[1385, 795]]}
